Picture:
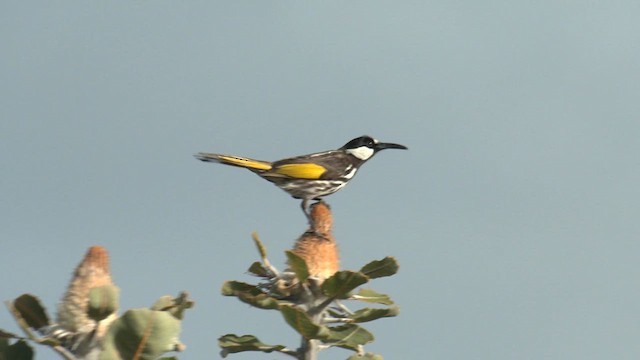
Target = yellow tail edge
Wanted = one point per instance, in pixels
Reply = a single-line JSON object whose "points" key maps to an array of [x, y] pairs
{"points": [[235, 161]]}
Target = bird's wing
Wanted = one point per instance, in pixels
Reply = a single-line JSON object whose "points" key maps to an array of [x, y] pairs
{"points": [[324, 165], [299, 171]]}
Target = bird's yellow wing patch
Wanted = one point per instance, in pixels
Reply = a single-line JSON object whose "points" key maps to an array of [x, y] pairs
{"points": [[244, 162], [301, 171]]}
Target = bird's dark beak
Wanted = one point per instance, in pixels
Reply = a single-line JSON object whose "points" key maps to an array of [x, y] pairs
{"points": [[382, 146]]}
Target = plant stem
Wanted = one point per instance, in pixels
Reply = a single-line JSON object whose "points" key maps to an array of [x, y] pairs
{"points": [[310, 348]]}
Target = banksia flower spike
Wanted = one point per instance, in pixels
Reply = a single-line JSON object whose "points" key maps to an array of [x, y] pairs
{"points": [[317, 246], [73, 311]]}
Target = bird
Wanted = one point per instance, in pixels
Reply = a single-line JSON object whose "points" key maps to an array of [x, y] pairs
{"points": [[313, 176]]}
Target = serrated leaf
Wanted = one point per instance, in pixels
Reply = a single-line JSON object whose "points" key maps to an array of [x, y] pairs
{"points": [[103, 301], [349, 336], [249, 294], [380, 268], [31, 311], [258, 269], [341, 283], [370, 296], [302, 323], [368, 314], [20, 350], [261, 248], [298, 265], [232, 344], [367, 356]]}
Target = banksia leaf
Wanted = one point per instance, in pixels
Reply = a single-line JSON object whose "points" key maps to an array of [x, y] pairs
{"points": [[298, 265], [341, 283], [368, 314], [232, 343], [8, 335], [19, 350], [249, 294], [258, 269], [349, 336], [230, 288], [302, 323], [142, 334], [29, 308], [175, 306], [367, 356], [380, 268], [103, 301], [163, 303], [370, 296], [261, 248]]}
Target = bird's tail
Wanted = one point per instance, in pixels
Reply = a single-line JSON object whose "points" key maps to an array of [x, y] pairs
{"points": [[250, 164]]}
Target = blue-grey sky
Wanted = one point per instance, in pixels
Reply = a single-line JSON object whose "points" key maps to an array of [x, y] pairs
{"points": [[513, 215]]}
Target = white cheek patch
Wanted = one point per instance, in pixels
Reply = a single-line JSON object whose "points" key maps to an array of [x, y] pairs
{"points": [[362, 152]]}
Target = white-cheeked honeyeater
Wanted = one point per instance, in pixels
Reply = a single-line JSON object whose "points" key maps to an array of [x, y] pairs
{"points": [[312, 176]]}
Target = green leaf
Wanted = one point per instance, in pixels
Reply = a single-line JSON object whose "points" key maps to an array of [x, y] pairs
{"points": [[146, 332], [249, 294], [370, 296], [380, 268], [28, 307], [298, 265], [261, 249], [232, 343], [258, 269], [19, 350], [230, 288], [174, 305], [341, 283], [368, 314], [51, 341], [349, 336], [367, 356], [8, 335], [103, 301], [163, 303], [302, 323]]}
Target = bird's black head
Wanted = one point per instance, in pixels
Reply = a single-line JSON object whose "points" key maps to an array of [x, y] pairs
{"points": [[365, 147]]}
